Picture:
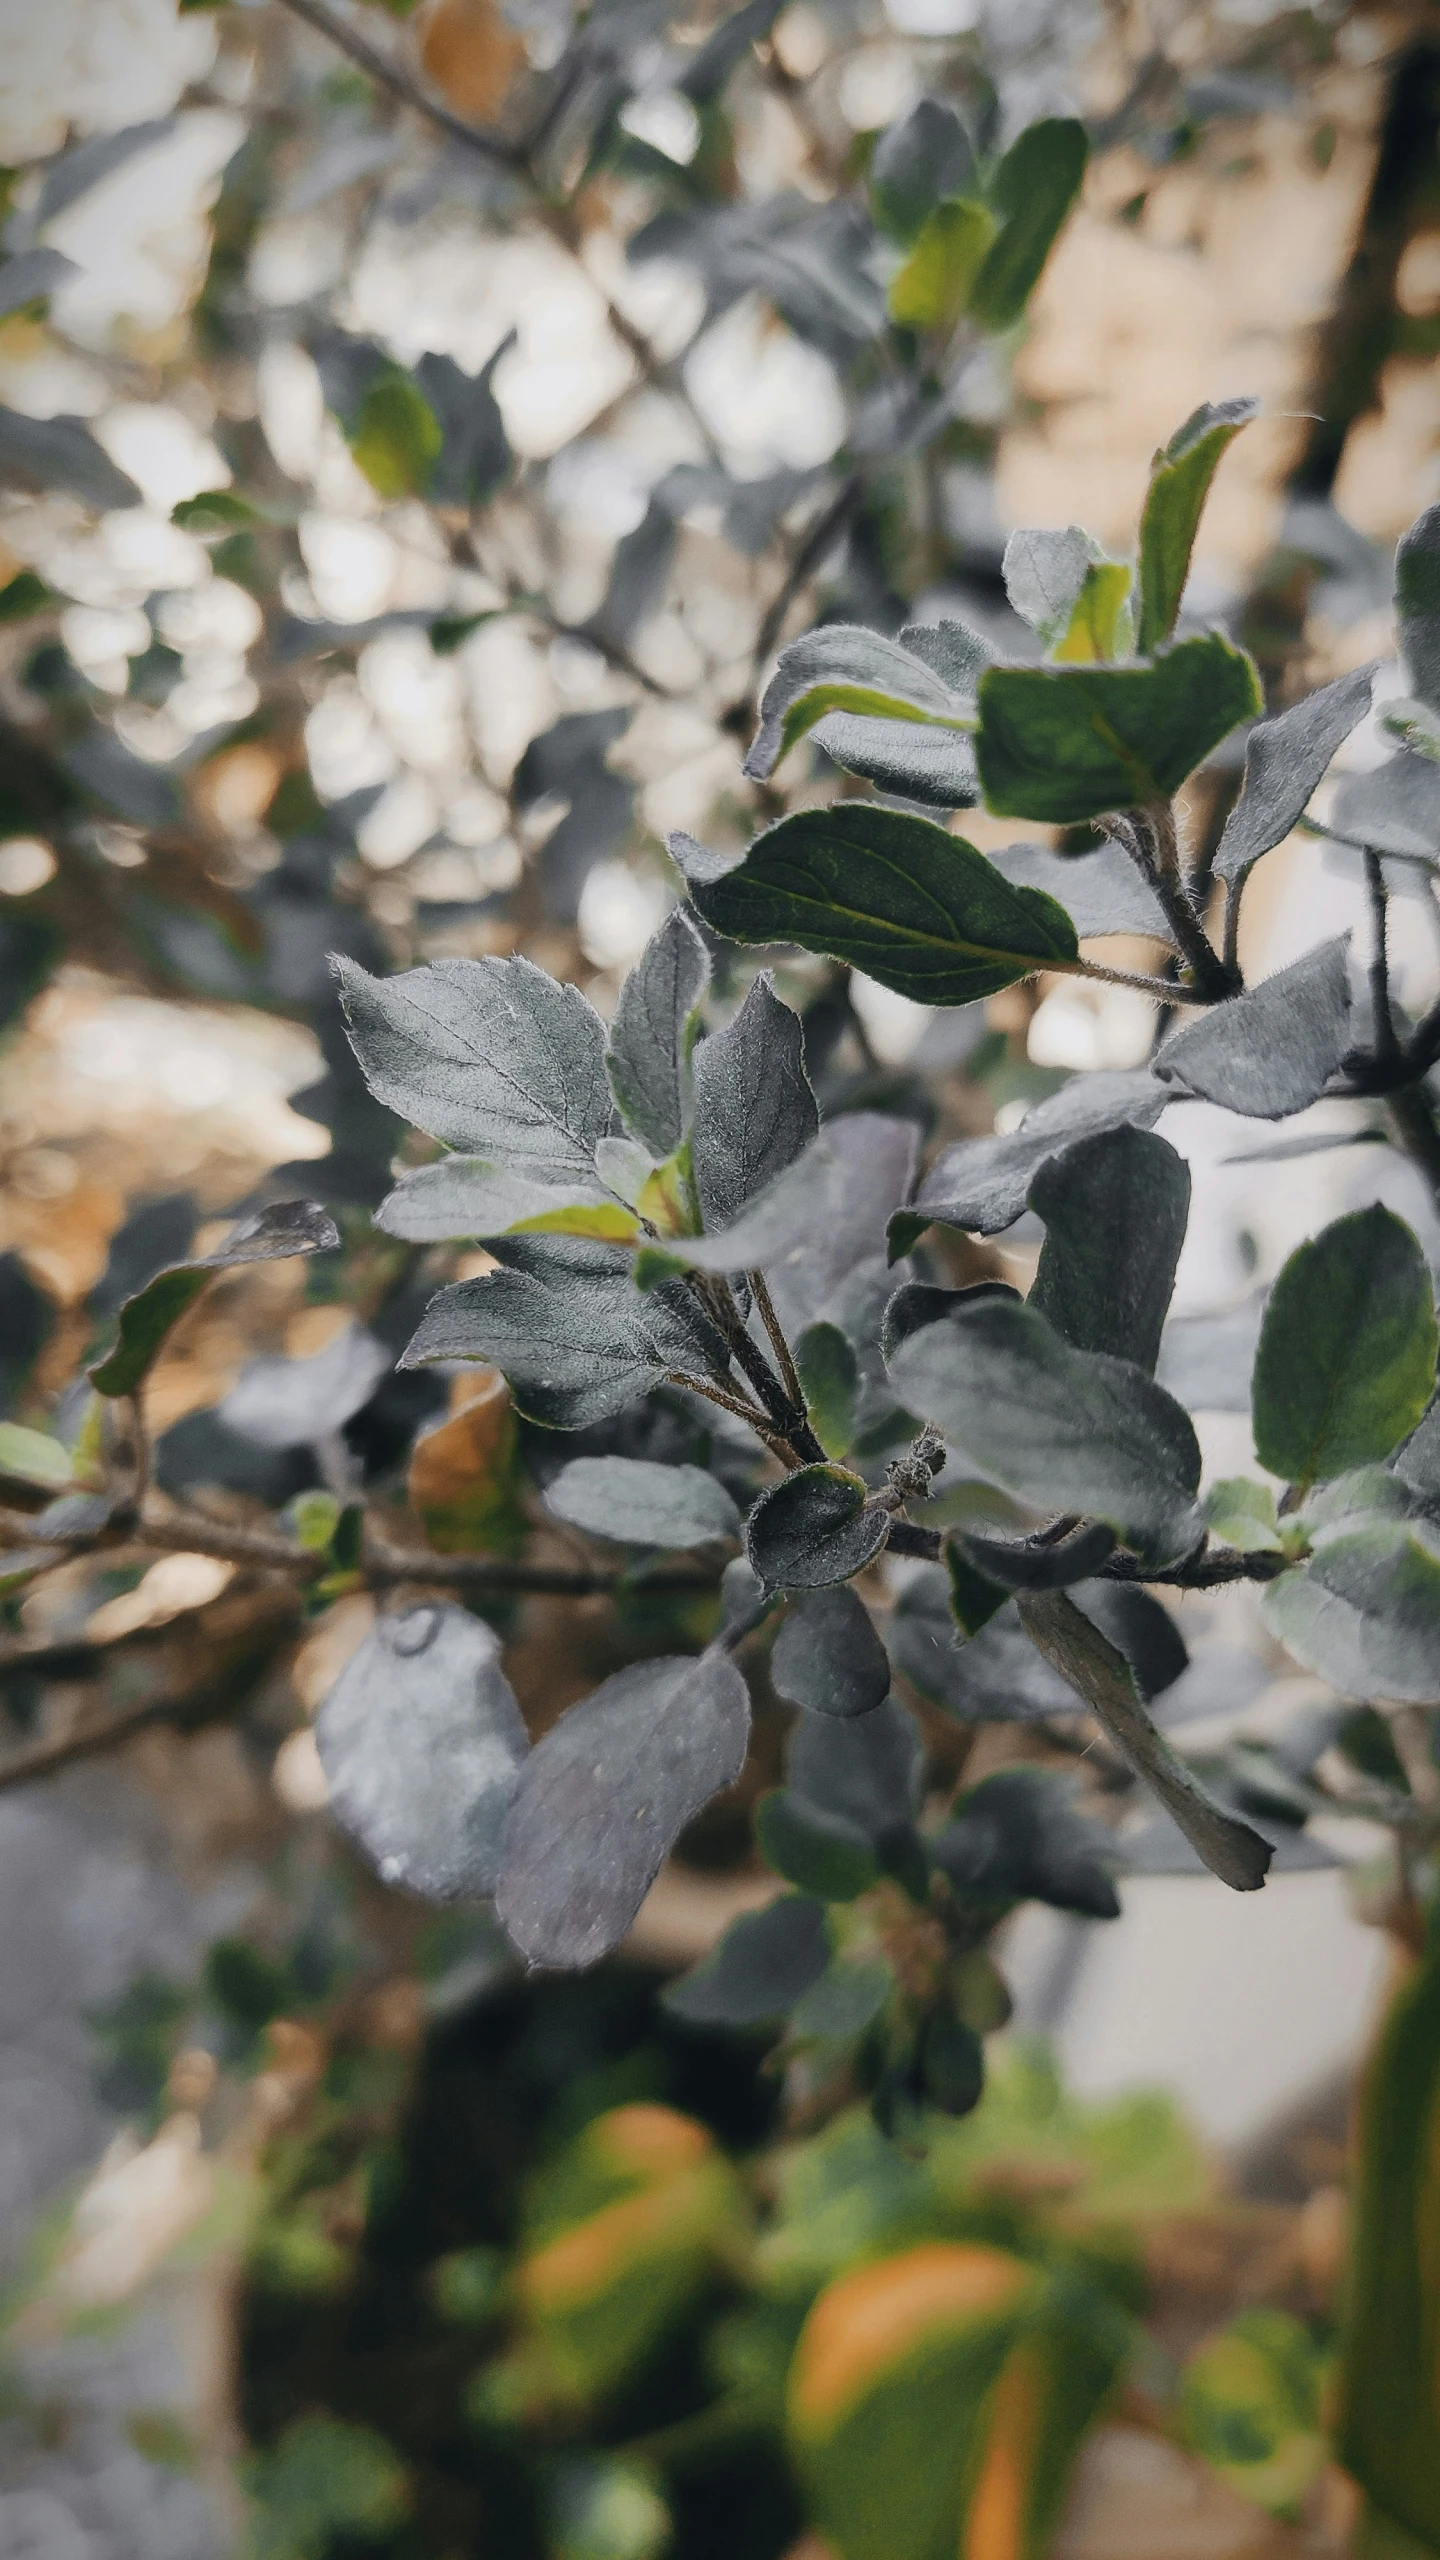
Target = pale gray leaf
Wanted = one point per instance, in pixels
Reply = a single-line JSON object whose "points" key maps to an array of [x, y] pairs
{"points": [[1417, 604], [642, 1504], [873, 1160], [1063, 1430], [754, 1110], [653, 1033], [917, 1303], [828, 1658], [1285, 761], [982, 1184], [1044, 570], [465, 1196], [421, 1743], [764, 1963], [1273, 1050], [31, 277], [495, 1057], [924, 157], [1365, 1611], [75, 172], [1206, 1362], [283, 1404], [604, 1797], [903, 758], [841, 653], [1115, 1207], [813, 1528], [952, 651], [565, 1322], [1419, 1460], [61, 453], [1395, 808], [1101, 892], [149, 797]]}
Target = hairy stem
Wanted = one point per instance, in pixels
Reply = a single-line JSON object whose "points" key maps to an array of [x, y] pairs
{"points": [[1099, 1671], [1149, 837], [1387, 1046]]}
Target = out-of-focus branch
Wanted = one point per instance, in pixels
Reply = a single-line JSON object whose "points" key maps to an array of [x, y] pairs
{"points": [[391, 75]]}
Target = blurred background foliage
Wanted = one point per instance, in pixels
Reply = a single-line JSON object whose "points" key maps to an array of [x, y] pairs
{"points": [[418, 429]]}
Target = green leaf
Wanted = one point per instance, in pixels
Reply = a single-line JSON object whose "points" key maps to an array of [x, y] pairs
{"points": [[933, 287], [765, 1961], [270, 1235], [1018, 1837], [1062, 1430], [32, 1457], [830, 1376], [843, 2003], [215, 511], [1365, 1611], [815, 1851], [1032, 191], [1242, 1513], [1346, 1364], [397, 438], [24, 594], [1099, 626], [918, 909], [1180, 478], [1064, 744], [814, 1529]]}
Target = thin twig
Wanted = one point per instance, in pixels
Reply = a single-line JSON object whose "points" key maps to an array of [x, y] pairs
{"points": [[811, 552], [785, 1359], [1164, 990], [1148, 835], [392, 76], [1387, 1045]]}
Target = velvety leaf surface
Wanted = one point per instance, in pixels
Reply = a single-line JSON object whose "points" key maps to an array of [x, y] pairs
{"points": [[934, 766], [1365, 1611], [984, 1183], [1394, 808], [1418, 1463], [894, 895], [642, 1504], [754, 1110], [829, 1374], [1115, 1207], [1065, 1430], [1286, 759], [1044, 569], [996, 1677], [605, 1795], [1180, 480], [421, 1742], [268, 1235], [653, 1033], [283, 1404], [843, 667], [565, 1322], [1206, 1362], [917, 1303], [1101, 892], [1017, 1837], [1274, 1049], [814, 1529], [1024, 1564], [1031, 191], [828, 1658], [1064, 744], [761, 1967], [815, 1851], [463, 1196], [864, 1771], [495, 1057], [1346, 1364]]}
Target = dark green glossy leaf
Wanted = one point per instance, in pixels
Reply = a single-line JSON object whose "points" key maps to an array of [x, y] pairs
{"points": [[421, 1743], [495, 1057], [1063, 1430], [604, 1796], [828, 1658], [814, 1529], [1180, 478], [1115, 1207], [1068, 743], [270, 1235], [641, 1504], [653, 1033], [815, 1851], [1286, 759], [754, 1110], [1346, 1364], [765, 1962], [894, 895], [1032, 191], [1274, 1049]]}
